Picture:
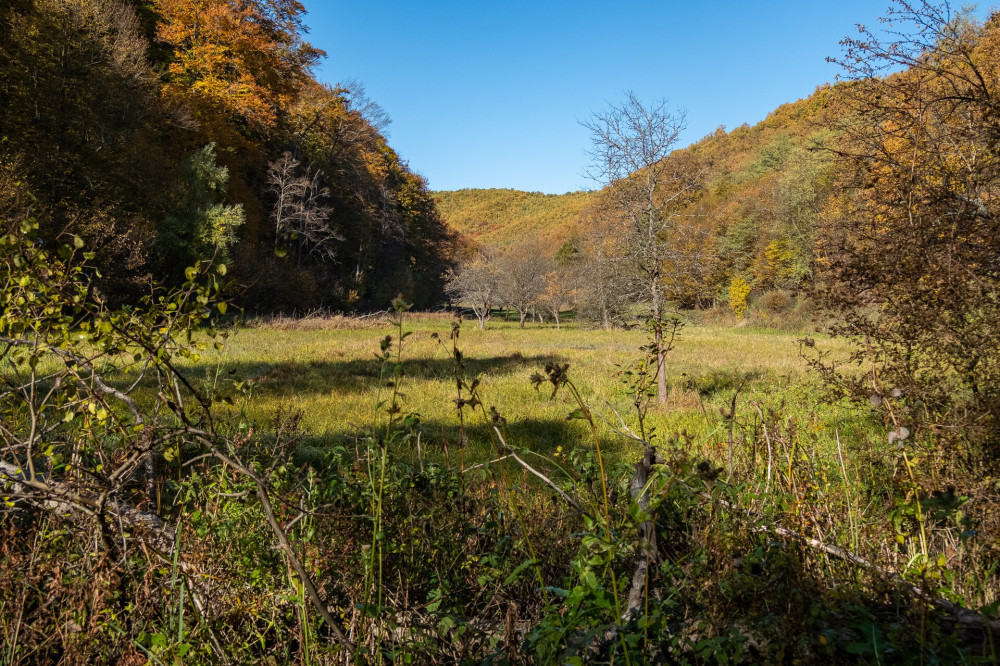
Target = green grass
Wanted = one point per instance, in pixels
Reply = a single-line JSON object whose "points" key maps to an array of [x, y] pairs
{"points": [[332, 378], [442, 530]]}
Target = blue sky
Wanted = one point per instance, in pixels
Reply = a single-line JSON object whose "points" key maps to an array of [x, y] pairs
{"points": [[489, 94]]}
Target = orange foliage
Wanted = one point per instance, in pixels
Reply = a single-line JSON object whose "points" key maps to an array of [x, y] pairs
{"points": [[234, 59]]}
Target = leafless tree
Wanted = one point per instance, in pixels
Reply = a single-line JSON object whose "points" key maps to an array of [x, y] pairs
{"points": [[356, 96], [300, 215], [558, 290], [631, 144], [521, 271], [476, 284], [601, 272]]}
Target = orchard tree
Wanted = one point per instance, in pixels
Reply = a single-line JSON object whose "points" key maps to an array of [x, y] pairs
{"points": [[521, 274], [558, 291], [600, 271], [476, 284], [631, 146]]}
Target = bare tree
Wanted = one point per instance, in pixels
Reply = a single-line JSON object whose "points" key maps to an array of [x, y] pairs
{"points": [[476, 284], [558, 290], [521, 271], [356, 96], [300, 215], [601, 271], [630, 155]]}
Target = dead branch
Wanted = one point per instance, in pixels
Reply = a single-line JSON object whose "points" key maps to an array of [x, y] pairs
{"points": [[265, 501], [551, 484], [960, 614]]}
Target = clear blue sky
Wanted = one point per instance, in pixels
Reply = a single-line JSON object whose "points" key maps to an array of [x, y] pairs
{"points": [[489, 94]]}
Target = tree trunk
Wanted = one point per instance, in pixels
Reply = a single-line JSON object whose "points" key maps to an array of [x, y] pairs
{"points": [[555, 315], [661, 357], [522, 314]]}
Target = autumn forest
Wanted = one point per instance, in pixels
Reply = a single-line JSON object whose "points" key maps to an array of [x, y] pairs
{"points": [[265, 397]]}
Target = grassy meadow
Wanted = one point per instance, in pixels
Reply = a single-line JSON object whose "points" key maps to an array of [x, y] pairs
{"points": [[328, 372], [825, 543], [826, 466]]}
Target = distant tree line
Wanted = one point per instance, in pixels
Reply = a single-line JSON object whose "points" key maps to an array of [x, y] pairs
{"points": [[729, 222], [167, 131]]}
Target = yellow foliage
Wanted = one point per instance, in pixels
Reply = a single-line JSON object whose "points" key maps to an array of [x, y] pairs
{"points": [[499, 217], [233, 58], [739, 290]]}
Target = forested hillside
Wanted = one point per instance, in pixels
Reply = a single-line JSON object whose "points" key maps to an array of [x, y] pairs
{"points": [[499, 217], [168, 131], [763, 188]]}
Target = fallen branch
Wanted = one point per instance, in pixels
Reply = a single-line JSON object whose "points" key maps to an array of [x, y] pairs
{"points": [[265, 501], [61, 499], [551, 484], [962, 615], [481, 465]]}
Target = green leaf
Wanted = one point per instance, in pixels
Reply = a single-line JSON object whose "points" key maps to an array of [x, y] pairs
{"points": [[516, 573]]}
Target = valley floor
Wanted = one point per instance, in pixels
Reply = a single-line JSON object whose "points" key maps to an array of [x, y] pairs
{"points": [[332, 376]]}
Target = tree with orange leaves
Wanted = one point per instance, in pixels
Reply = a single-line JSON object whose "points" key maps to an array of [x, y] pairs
{"points": [[239, 60]]}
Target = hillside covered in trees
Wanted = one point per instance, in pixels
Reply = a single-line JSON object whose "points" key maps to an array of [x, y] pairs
{"points": [[762, 193], [170, 131], [498, 217]]}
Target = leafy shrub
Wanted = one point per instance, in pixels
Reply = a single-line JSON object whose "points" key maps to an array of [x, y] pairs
{"points": [[739, 291], [909, 251], [776, 302]]}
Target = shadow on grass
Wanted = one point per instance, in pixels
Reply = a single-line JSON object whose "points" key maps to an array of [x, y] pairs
{"points": [[291, 378], [540, 435], [440, 442], [297, 377]]}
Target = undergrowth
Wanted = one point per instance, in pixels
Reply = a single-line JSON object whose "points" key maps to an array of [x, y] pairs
{"points": [[766, 544]]}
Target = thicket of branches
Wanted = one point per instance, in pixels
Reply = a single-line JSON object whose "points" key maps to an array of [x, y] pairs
{"points": [[909, 248]]}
